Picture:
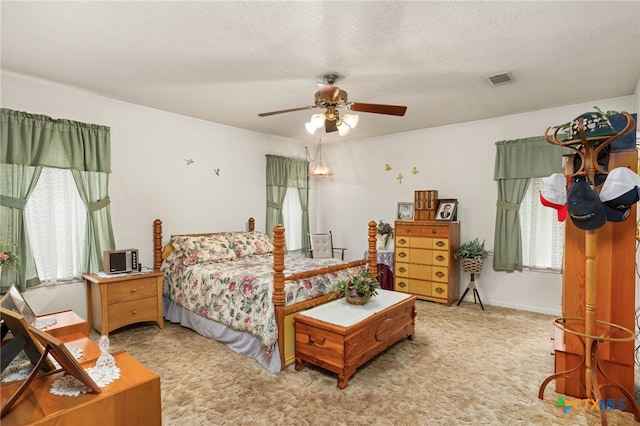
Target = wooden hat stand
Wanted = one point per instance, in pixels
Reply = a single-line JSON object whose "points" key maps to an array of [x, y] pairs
{"points": [[588, 149]]}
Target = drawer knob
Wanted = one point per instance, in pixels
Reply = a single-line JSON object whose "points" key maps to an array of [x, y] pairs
{"points": [[402, 241], [440, 243], [402, 269], [433, 231], [407, 230], [402, 254], [134, 312], [439, 274], [133, 290], [440, 258], [439, 290], [401, 284]]}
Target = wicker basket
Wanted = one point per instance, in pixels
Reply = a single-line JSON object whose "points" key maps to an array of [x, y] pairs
{"points": [[472, 266], [356, 300]]}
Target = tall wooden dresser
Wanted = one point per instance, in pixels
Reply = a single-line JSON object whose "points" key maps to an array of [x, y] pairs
{"points": [[424, 263], [616, 282]]}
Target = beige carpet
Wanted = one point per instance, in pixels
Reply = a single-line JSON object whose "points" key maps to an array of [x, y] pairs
{"points": [[465, 367]]}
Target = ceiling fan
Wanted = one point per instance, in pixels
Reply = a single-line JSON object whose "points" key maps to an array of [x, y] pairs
{"points": [[330, 98]]}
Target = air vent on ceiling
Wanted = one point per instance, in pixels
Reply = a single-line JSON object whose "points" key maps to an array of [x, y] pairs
{"points": [[498, 79]]}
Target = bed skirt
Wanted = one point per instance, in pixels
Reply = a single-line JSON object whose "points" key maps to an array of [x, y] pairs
{"points": [[238, 341]]}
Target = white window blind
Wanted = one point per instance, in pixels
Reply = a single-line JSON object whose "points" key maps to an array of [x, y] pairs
{"points": [[56, 220], [542, 233]]}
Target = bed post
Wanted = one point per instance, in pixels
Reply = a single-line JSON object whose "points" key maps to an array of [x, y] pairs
{"points": [[157, 244], [278, 287], [252, 224], [373, 256]]}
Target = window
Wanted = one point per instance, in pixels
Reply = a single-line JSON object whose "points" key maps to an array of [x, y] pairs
{"points": [[292, 217], [56, 223], [542, 233]]}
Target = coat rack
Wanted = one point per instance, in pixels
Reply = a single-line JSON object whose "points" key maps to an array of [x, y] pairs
{"points": [[588, 149]]}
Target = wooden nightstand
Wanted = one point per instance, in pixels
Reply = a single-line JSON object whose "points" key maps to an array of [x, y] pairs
{"points": [[114, 302]]}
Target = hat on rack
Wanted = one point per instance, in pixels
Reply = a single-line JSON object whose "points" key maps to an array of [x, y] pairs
{"points": [[553, 193], [596, 125], [620, 191], [584, 206]]}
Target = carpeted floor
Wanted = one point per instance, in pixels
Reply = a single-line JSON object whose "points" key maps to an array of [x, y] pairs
{"points": [[465, 367]]}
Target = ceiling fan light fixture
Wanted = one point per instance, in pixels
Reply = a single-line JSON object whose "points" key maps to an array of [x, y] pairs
{"points": [[343, 128], [318, 120], [351, 120], [311, 128]]}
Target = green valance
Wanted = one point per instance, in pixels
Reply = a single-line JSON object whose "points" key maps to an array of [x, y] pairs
{"points": [[532, 157], [38, 140]]}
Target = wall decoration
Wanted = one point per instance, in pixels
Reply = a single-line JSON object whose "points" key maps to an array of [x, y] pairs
{"points": [[399, 177], [415, 171], [387, 167], [217, 172], [189, 162], [447, 209], [405, 211]]}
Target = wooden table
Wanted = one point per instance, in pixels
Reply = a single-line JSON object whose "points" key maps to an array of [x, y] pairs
{"points": [[340, 337], [133, 399]]}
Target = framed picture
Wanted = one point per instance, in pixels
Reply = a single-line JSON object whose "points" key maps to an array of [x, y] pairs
{"points": [[60, 353], [13, 301], [22, 339], [405, 211], [447, 209]]}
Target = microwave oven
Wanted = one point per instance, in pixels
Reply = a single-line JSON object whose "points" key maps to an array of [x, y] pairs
{"points": [[120, 261]]}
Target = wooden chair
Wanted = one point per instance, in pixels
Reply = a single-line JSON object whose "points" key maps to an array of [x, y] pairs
{"points": [[321, 246]]}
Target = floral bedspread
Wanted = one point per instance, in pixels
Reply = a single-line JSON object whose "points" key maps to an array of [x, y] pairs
{"points": [[239, 293]]}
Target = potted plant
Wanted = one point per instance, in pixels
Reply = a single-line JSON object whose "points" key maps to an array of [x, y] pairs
{"points": [[359, 288], [385, 231], [472, 254]]}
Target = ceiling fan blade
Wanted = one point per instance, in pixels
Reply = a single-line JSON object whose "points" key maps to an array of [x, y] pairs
{"points": [[265, 114], [330, 126], [378, 109], [328, 91]]}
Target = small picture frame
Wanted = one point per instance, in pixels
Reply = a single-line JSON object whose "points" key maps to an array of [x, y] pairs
{"points": [[447, 209], [405, 211], [14, 301]]}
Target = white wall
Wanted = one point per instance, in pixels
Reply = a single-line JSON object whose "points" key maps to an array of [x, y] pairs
{"points": [[150, 179], [456, 160], [149, 176]]}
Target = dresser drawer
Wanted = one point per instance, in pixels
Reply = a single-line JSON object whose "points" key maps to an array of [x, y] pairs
{"points": [[402, 269], [436, 231], [440, 274], [134, 311], [133, 289], [420, 288], [440, 290], [402, 254], [404, 229], [420, 271], [440, 258]]}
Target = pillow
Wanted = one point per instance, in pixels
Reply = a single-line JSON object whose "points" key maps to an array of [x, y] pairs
{"points": [[203, 248], [246, 244]]}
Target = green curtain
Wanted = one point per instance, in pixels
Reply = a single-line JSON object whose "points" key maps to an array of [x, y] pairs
{"points": [[283, 173], [93, 188], [516, 162], [35, 141], [16, 184]]}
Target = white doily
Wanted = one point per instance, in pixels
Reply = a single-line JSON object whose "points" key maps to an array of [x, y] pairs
{"points": [[42, 323], [70, 386], [21, 367]]}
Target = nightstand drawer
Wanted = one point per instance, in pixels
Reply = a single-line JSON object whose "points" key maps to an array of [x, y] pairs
{"points": [[131, 290], [131, 312]]}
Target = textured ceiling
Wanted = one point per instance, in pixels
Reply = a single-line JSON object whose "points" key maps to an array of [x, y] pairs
{"points": [[227, 61]]}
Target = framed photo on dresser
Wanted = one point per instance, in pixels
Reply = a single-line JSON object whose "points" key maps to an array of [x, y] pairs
{"points": [[447, 209], [405, 211]]}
